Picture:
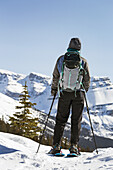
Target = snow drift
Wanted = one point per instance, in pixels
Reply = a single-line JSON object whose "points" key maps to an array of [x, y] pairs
{"points": [[20, 153]]}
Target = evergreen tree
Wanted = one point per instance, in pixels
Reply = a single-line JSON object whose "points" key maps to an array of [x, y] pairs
{"points": [[22, 123], [3, 127]]}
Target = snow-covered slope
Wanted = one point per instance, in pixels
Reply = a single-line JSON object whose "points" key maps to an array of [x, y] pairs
{"points": [[20, 153], [99, 98], [100, 92]]}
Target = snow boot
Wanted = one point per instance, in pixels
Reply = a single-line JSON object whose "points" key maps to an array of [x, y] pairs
{"points": [[74, 149], [55, 149]]}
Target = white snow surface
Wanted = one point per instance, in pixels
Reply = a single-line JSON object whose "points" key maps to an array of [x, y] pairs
{"points": [[19, 153]]}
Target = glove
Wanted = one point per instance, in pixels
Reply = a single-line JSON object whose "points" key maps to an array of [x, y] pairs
{"points": [[53, 92]]}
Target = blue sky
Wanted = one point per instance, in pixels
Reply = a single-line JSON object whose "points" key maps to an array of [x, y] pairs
{"points": [[34, 33]]}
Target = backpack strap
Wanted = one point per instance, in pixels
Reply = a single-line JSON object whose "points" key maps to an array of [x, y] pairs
{"points": [[82, 63], [60, 89], [69, 78], [80, 69]]}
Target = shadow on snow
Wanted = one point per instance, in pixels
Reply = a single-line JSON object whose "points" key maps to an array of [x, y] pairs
{"points": [[6, 150]]}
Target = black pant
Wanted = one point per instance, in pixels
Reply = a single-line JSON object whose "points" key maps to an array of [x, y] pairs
{"points": [[66, 100]]}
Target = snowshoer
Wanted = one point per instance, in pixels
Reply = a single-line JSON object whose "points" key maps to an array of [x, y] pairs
{"points": [[70, 78]]}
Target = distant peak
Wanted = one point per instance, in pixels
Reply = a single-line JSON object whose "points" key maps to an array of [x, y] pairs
{"points": [[39, 75], [100, 78], [2, 71]]}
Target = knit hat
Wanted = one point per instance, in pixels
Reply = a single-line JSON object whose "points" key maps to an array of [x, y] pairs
{"points": [[75, 44]]}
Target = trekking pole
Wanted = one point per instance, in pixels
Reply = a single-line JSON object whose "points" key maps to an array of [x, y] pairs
{"points": [[46, 123], [90, 122]]}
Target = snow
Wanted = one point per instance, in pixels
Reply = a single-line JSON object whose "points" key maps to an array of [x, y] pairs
{"points": [[100, 102], [19, 153], [7, 109], [2, 71]]}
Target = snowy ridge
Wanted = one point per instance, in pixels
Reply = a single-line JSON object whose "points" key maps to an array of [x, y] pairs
{"points": [[99, 98], [19, 153], [100, 91]]}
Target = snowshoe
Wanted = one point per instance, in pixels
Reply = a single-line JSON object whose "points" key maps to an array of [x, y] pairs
{"points": [[59, 154], [72, 155], [55, 149], [74, 152]]}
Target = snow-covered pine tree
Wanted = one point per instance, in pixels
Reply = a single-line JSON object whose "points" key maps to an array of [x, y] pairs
{"points": [[22, 122]]}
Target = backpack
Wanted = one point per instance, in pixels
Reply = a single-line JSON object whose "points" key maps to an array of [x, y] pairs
{"points": [[71, 75]]}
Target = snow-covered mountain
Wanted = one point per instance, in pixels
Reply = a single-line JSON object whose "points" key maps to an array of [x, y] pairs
{"points": [[99, 96], [19, 153]]}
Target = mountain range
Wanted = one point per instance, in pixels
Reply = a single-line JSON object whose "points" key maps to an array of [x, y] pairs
{"points": [[99, 97]]}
